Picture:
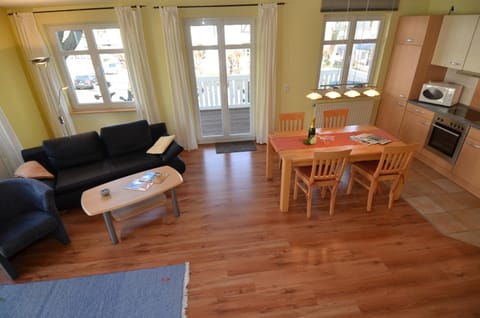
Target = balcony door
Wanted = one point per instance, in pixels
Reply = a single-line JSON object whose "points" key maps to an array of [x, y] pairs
{"points": [[220, 57]]}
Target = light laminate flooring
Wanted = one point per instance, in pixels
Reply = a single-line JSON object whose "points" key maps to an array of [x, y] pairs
{"points": [[248, 259]]}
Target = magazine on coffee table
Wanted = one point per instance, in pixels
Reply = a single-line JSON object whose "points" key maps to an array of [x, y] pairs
{"points": [[146, 180], [138, 184], [370, 139]]}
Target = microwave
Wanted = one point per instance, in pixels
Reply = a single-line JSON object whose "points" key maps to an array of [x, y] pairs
{"points": [[440, 93]]}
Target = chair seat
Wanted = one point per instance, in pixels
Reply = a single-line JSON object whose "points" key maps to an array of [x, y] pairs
{"points": [[306, 171], [369, 166], [18, 233]]}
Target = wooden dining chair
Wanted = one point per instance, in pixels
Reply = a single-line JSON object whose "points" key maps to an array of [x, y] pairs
{"points": [[325, 172], [335, 118], [291, 121], [392, 167]]}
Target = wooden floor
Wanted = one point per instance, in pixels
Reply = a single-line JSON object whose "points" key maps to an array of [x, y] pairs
{"points": [[247, 259]]}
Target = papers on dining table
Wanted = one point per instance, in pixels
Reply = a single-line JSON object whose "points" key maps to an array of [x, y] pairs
{"points": [[370, 139]]}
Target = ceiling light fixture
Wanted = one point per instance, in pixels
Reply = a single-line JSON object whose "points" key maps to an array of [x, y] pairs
{"points": [[352, 93], [371, 92]]}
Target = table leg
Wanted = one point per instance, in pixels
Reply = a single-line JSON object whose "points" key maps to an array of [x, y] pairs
{"points": [[176, 210], [110, 227], [269, 164], [285, 184]]}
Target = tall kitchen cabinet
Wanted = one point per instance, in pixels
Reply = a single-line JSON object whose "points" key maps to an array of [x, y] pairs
{"points": [[409, 68]]}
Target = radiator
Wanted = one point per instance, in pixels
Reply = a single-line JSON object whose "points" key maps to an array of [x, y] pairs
{"points": [[360, 112]]}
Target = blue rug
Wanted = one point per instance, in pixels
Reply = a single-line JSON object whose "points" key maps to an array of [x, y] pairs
{"points": [[156, 292]]}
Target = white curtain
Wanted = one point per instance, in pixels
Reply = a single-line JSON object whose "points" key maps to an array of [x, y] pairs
{"points": [[265, 72], [131, 27], [184, 121], [46, 77], [10, 148]]}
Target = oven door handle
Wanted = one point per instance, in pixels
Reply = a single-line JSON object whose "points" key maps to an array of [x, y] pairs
{"points": [[446, 130]]}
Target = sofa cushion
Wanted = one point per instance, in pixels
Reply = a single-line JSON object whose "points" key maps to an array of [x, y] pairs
{"points": [[124, 138], [66, 152], [134, 162], [161, 145], [83, 177]]}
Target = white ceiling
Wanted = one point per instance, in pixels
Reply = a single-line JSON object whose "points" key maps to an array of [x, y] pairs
{"points": [[40, 3]]}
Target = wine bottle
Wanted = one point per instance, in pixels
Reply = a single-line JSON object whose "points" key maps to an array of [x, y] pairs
{"points": [[312, 139]]}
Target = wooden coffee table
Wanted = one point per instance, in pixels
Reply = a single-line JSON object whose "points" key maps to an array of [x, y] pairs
{"points": [[123, 203]]}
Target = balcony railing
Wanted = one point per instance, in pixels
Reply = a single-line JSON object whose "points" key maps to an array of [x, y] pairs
{"points": [[333, 76], [208, 91]]}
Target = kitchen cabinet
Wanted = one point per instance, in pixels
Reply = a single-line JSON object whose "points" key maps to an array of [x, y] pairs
{"points": [[472, 61], [467, 166], [411, 30], [416, 125], [454, 40], [409, 68]]}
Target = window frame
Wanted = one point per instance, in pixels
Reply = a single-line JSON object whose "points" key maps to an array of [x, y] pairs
{"points": [[107, 105], [349, 42]]}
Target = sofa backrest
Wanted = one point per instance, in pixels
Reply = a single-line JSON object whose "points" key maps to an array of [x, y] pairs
{"points": [[65, 152], [125, 138]]}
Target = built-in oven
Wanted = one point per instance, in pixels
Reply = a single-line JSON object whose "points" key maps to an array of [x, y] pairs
{"points": [[446, 137]]}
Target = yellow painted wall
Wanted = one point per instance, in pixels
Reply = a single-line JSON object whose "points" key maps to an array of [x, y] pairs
{"points": [[298, 54], [461, 6], [16, 99]]}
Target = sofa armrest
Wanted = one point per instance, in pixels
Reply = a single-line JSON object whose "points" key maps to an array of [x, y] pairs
{"points": [[171, 152], [158, 130], [38, 154]]}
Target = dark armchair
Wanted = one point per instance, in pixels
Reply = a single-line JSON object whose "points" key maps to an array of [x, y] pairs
{"points": [[27, 214]]}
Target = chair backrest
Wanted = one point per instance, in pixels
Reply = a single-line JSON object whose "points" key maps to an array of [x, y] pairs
{"points": [[328, 166], [395, 160], [291, 121], [335, 118]]}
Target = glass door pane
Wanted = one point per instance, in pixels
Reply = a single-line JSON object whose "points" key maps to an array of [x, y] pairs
{"points": [[209, 101], [238, 78]]}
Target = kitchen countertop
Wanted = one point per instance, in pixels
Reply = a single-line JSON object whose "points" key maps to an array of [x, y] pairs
{"points": [[443, 110]]}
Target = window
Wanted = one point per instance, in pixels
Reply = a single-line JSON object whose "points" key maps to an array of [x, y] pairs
{"points": [[348, 50], [92, 60]]}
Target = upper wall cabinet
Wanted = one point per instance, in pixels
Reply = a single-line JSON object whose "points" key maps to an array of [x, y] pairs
{"points": [[411, 30], [454, 40], [472, 62]]}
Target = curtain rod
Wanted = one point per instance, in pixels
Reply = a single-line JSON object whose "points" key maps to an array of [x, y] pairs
{"points": [[80, 9], [156, 7], [222, 5]]}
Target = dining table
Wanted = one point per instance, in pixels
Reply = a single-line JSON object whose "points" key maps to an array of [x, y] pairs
{"points": [[290, 146]]}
